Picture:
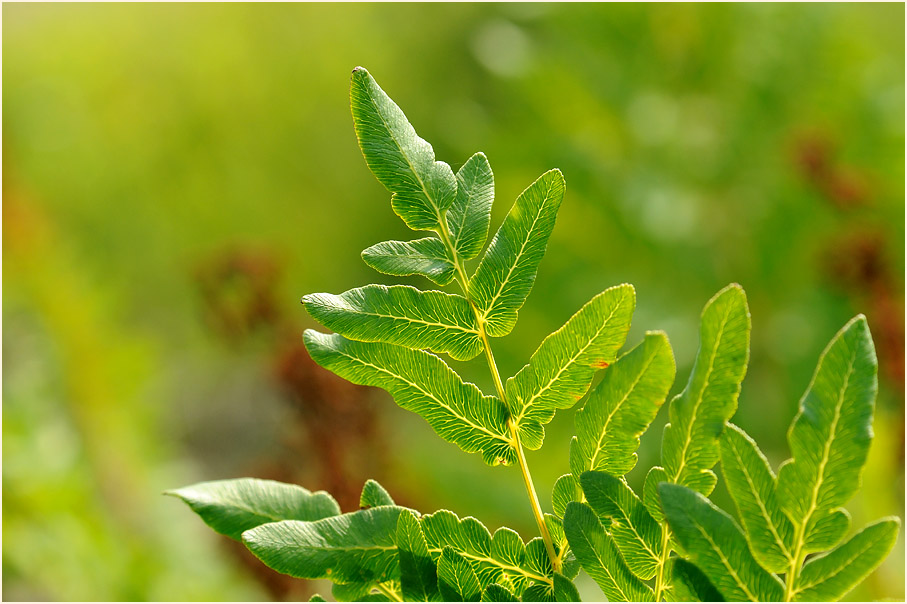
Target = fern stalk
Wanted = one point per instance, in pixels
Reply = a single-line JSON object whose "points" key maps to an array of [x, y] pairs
{"points": [[444, 234]]}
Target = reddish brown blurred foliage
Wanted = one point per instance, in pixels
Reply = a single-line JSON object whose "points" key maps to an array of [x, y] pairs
{"points": [[336, 431]]}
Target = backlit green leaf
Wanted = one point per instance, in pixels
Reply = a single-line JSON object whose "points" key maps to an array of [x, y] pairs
{"points": [[470, 214], [698, 414], [456, 579], [689, 584], [564, 589], [424, 384], [636, 535], [650, 497], [404, 163], [501, 558], [827, 578], [599, 557], [566, 489], [830, 438], [507, 271], [373, 495], [497, 593], [621, 408], [317, 598], [231, 507], [539, 593], [561, 370], [401, 315], [418, 575], [426, 257], [751, 483], [352, 548], [717, 546]]}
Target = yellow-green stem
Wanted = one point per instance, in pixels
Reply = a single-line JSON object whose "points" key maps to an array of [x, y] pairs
{"points": [[499, 387], [665, 552]]}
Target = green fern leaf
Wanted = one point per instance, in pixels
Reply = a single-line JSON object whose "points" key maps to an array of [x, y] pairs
{"points": [[827, 578], [427, 257], [456, 578], [400, 315], [751, 483], [561, 370], [689, 584], [650, 497], [564, 589], [698, 414], [470, 215], [566, 489], [353, 548], [599, 557], [422, 383], [418, 574], [232, 507], [636, 535], [498, 593], [507, 272], [621, 408], [404, 163], [373, 495], [501, 558], [830, 438], [717, 546]]}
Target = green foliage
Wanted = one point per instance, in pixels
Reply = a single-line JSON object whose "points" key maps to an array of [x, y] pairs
{"points": [[232, 507], [672, 543]]}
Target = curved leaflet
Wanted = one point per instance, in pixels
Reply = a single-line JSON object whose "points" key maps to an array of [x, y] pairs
{"points": [[424, 384]]}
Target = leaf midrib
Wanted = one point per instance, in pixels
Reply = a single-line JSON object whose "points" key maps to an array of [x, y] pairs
{"points": [[495, 562], [724, 560]]}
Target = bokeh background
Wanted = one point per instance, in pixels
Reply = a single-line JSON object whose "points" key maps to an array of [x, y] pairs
{"points": [[176, 176]]}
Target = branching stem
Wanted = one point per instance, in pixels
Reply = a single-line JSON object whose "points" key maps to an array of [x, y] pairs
{"points": [[499, 387]]}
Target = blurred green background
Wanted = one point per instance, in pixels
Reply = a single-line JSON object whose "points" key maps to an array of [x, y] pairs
{"points": [[176, 176]]}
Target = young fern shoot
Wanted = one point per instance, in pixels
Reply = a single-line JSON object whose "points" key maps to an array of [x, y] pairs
{"points": [[391, 337]]}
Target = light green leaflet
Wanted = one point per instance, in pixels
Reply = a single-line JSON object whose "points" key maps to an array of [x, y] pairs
{"points": [[418, 575], [621, 408], [501, 558], [400, 315], [424, 384], [595, 550], [561, 370], [456, 579], [636, 535], [698, 414], [830, 438], [404, 163], [830, 576], [750, 480], [353, 548], [716, 545], [231, 507], [373, 495], [507, 272], [426, 257], [470, 215]]}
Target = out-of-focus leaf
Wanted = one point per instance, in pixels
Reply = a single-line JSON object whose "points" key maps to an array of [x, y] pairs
{"points": [[353, 548], [231, 507]]}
